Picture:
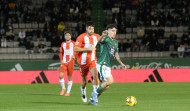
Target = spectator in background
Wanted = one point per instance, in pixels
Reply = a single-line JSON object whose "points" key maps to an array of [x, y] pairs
{"points": [[61, 26], [121, 46], [41, 47], [41, 35], [145, 41], [29, 47], [3, 42], [40, 17], [21, 34], [22, 37], [54, 41], [140, 32], [154, 21], [2, 30], [153, 42], [185, 38], [29, 35], [167, 45], [60, 40], [10, 35], [127, 45], [159, 45], [135, 66], [180, 51], [160, 32], [135, 46], [173, 38], [27, 17], [187, 50], [48, 34], [74, 37]]}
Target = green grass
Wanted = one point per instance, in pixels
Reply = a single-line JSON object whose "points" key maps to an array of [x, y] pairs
{"points": [[45, 97]]}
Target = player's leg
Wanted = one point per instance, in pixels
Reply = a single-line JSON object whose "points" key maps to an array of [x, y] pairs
{"points": [[70, 72], [61, 79], [94, 73], [105, 76], [94, 99], [105, 85], [83, 88], [84, 75]]}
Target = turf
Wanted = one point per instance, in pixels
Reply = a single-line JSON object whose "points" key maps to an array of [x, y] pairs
{"points": [[45, 97]]}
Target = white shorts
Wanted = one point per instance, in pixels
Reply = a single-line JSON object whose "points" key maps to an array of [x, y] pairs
{"points": [[104, 71]]}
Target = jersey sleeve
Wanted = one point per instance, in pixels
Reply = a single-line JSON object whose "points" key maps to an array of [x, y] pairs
{"points": [[61, 52], [79, 41]]}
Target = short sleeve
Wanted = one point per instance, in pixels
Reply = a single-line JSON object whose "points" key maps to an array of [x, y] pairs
{"points": [[79, 41]]}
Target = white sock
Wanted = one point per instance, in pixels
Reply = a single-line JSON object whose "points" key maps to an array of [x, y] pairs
{"points": [[69, 86], [95, 87], [62, 83], [83, 90]]}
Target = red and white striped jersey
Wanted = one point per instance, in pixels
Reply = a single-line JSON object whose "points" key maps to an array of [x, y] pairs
{"points": [[67, 51], [85, 41]]}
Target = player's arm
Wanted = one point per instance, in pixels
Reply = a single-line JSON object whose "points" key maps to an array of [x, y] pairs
{"points": [[74, 53], [78, 45], [61, 54], [101, 39], [79, 49], [119, 60]]}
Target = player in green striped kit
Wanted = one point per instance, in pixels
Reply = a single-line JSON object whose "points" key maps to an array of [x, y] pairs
{"points": [[108, 50]]}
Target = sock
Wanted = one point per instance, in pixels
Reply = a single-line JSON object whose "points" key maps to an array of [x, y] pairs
{"points": [[83, 90], [62, 83], [100, 89], [69, 86], [95, 87]]}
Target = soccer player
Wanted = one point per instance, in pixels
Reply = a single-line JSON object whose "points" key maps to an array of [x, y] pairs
{"points": [[108, 50], [85, 46], [67, 58]]}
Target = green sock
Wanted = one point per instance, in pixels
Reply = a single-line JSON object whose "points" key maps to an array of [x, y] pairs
{"points": [[99, 89]]}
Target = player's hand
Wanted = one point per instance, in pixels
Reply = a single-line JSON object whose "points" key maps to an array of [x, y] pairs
{"points": [[73, 57], [105, 32], [91, 48], [124, 66], [62, 62]]}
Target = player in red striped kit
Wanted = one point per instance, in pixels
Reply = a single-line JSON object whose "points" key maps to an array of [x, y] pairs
{"points": [[67, 58]]}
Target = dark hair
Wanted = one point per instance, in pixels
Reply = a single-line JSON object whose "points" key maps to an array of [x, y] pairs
{"points": [[67, 32], [111, 26], [89, 23]]}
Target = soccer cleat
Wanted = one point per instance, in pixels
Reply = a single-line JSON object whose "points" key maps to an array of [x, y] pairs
{"points": [[83, 92], [62, 92], [67, 94], [94, 96], [92, 102], [84, 98]]}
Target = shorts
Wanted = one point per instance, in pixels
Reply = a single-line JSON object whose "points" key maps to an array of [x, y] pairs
{"points": [[69, 67], [104, 71], [84, 69]]}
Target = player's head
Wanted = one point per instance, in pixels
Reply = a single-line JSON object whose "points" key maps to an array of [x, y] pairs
{"points": [[112, 30], [67, 36], [90, 28]]}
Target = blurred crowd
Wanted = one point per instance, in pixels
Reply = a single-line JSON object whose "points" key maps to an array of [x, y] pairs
{"points": [[150, 17], [54, 14]]}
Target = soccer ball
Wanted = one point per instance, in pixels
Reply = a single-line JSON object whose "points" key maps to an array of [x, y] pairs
{"points": [[131, 101]]}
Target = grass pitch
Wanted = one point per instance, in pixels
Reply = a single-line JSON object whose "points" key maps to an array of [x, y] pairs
{"points": [[45, 97]]}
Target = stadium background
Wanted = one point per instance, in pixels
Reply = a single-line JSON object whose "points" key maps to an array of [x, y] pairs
{"points": [[153, 34]]}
